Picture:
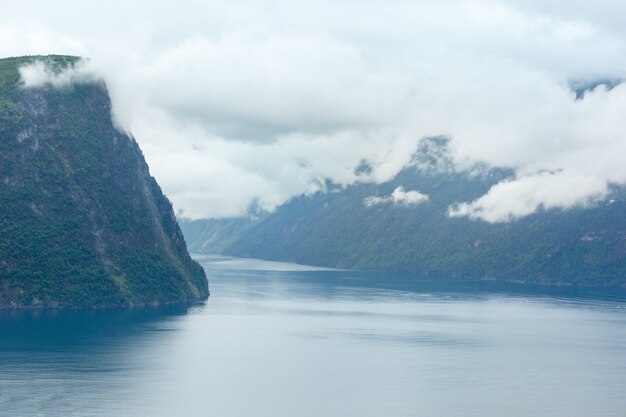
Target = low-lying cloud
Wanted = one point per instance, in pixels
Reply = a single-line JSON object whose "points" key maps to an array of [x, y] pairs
{"points": [[39, 74], [246, 102], [513, 199], [397, 197]]}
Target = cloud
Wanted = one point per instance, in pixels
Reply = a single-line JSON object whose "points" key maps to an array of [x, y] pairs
{"points": [[255, 86], [198, 170], [253, 102], [40, 73], [565, 156], [397, 197], [511, 200]]}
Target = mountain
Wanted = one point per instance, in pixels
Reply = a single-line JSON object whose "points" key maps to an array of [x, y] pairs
{"points": [[362, 227], [83, 223]]}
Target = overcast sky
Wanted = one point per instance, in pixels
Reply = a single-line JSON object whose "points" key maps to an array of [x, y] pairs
{"points": [[251, 102]]}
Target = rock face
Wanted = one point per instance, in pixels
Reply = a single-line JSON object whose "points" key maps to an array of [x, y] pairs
{"points": [[82, 222]]}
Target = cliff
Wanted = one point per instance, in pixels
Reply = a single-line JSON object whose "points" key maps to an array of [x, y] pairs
{"points": [[82, 221]]}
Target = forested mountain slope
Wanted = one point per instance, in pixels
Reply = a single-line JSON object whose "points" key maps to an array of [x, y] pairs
{"points": [[362, 227], [82, 221]]}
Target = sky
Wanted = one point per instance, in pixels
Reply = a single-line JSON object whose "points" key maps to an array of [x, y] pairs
{"points": [[240, 104]]}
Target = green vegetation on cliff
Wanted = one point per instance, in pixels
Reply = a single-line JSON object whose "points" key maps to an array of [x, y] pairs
{"points": [[82, 221]]}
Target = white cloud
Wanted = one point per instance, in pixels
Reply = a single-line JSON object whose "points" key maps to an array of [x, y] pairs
{"points": [[397, 197], [251, 85], [39, 74], [198, 170], [511, 200], [257, 101]]}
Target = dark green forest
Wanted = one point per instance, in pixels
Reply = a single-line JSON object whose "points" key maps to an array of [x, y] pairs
{"points": [[82, 222]]}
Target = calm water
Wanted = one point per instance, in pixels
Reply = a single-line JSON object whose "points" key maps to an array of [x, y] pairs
{"points": [[274, 341]]}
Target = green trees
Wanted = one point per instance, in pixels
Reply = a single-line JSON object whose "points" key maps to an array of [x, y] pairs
{"points": [[336, 229], [82, 221]]}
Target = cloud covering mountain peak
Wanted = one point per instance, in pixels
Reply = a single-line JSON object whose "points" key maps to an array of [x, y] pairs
{"points": [[244, 102]]}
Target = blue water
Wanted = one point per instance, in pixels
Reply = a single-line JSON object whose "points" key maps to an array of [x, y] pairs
{"points": [[276, 340]]}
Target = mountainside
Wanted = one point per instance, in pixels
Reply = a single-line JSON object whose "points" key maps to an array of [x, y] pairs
{"points": [[362, 227], [83, 223]]}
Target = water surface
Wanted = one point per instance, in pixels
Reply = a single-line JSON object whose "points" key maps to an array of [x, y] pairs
{"points": [[278, 340]]}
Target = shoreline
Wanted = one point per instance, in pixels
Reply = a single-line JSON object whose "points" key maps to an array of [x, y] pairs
{"points": [[181, 303]]}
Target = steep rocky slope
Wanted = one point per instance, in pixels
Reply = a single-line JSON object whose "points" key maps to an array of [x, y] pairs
{"points": [[82, 221]]}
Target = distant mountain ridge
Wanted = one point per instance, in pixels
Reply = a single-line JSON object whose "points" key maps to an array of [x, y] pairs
{"points": [[83, 222], [341, 229]]}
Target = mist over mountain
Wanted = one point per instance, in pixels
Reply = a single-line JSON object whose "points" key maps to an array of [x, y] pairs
{"points": [[255, 102], [406, 224], [83, 222]]}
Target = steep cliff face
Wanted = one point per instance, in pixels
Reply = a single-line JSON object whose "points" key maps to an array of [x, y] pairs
{"points": [[82, 221]]}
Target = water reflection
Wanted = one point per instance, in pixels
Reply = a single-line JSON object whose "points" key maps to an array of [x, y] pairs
{"points": [[52, 329], [82, 362]]}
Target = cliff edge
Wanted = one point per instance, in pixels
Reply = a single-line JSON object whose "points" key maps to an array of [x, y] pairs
{"points": [[83, 223]]}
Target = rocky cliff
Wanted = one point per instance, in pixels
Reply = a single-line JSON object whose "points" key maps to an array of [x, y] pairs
{"points": [[82, 222]]}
